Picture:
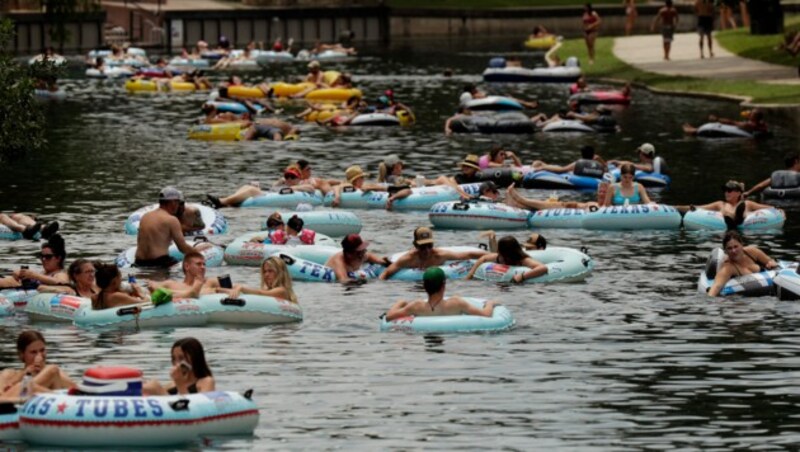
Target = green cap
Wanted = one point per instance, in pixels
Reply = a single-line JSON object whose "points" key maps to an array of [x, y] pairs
{"points": [[433, 274], [161, 296]]}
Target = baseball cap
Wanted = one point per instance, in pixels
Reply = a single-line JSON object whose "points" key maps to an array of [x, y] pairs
{"points": [[423, 235], [733, 185], [170, 194], [434, 275], [313, 64], [647, 149], [353, 242], [354, 172]]}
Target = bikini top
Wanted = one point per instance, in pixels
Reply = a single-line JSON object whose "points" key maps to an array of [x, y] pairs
{"points": [[619, 199]]}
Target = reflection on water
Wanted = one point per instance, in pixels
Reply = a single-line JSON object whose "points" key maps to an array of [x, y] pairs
{"points": [[633, 358]]}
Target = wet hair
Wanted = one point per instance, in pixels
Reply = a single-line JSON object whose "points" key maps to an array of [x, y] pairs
{"points": [[790, 159], [539, 244], [433, 285], [105, 274], [282, 276], [208, 108], [56, 245], [27, 338], [732, 235], [495, 151], [627, 168], [296, 223], [469, 87], [273, 222], [536, 29], [189, 256], [302, 164], [587, 152], [511, 251], [193, 349], [75, 268]]}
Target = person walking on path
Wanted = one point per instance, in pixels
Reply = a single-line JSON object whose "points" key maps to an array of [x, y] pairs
{"points": [[591, 25], [668, 16], [704, 9], [630, 15]]}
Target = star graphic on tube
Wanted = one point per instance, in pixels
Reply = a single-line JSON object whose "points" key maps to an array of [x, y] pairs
{"points": [[61, 407]]}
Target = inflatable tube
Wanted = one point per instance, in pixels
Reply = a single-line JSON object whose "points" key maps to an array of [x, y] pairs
{"points": [[633, 217], [55, 307], [158, 72], [333, 223], [285, 198], [452, 269], [719, 130], [283, 89], [45, 94], [759, 220], [241, 65], [246, 91], [559, 181], [234, 107], [249, 309], [7, 234], [333, 94], [563, 265], [477, 216], [502, 122], [265, 57], [559, 218], [752, 285], [600, 97], [646, 178], [146, 85], [558, 74], [215, 222], [244, 252], [192, 62], [56, 60], [375, 119], [9, 425], [177, 313], [228, 131], [213, 255], [6, 308], [63, 420], [133, 51], [568, 125], [504, 177], [331, 55], [18, 296], [305, 270], [787, 284], [788, 193], [421, 198], [541, 43], [494, 103], [501, 320], [783, 184], [109, 72]]}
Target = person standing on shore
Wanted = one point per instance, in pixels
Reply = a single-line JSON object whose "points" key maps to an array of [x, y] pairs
{"points": [[630, 15], [704, 9], [591, 26], [668, 16]]}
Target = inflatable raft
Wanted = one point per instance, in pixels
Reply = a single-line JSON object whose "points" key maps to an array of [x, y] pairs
{"points": [[47, 95], [787, 284], [560, 181], [109, 72], [6, 307], [285, 198], [421, 198], [244, 252], [633, 217], [477, 215], [147, 85], [719, 130], [333, 223], [762, 219], [212, 253], [501, 320], [752, 285], [265, 57], [563, 265], [228, 131], [559, 218], [542, 43], [502, 122], [568, 125], [494, 103], [7, 234], [215, 223], [558, 74], [600, 97], [452, 269], [305, 270], [783, 184], [191, 62]]}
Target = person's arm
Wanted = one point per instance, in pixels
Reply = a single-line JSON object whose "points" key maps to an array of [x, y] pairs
{"points": [[373, 258], [447, 129], [369, 186], [339, 270], [276, 292], [118, 299], [762, 258], [609, 195], [462, 255], [470, 309], [758, 187], [399, 310], [403, 262], [513, 156], [176, 233], [715, 206], [752, 205], [59, 278], [643, 194], [308, 188], [723, 276], [557, 169], [647, 167], [478, 263], [56, 289], [536, 269]]}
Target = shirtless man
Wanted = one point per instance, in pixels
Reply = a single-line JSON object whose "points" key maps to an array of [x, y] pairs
{"points": [[668, 16], [353, 255], [704, 9], [194, 281], [158, 229], [434, 282], [424, 255]]}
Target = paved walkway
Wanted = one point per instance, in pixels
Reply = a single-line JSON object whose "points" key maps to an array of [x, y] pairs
{"points": [[645, 52]]}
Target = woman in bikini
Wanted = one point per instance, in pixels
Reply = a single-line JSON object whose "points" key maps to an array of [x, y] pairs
{"points": [[190, 372], [591, 25], [734, 208], [742, 260]]}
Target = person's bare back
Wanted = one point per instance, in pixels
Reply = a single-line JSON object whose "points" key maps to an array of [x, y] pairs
{"points": [[157, 230]]}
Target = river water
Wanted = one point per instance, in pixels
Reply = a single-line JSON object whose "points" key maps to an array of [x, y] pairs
{"points": [[634, 358]]}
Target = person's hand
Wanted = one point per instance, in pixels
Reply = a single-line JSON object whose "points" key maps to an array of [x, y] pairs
{"points": [[389, 202], [510, 154], [179, 374], [518, 278], [235, 291], [336, 201]]}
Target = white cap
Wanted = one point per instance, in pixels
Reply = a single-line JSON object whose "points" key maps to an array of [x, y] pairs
{"points": [[647, 149]]}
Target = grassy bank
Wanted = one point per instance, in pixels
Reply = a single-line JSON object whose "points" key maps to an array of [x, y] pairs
{"points": [[488, 4], [760, 47], [607, 65]]}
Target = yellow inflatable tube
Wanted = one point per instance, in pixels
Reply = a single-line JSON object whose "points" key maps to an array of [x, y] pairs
{"points": [[406, 118], [326, 111], [542, 43], [145, 85], [228, 131], [333, 94]]}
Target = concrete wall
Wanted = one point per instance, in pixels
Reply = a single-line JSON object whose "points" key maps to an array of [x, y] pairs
{"points": [[31, 33]]}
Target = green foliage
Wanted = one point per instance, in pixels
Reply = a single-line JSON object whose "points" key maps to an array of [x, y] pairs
{"points": [[760, 47], [487, 4], [21, 118]]}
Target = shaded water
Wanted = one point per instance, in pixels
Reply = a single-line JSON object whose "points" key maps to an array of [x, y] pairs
{"points": [[632, 359]]}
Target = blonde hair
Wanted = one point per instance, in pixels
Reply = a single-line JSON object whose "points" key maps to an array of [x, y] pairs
{"points": [[282, 276], [383, 171]]}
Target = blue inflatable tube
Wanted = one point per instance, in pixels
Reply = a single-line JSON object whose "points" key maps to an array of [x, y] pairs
{"points": [[215, 222], [752, 285], [63, 420], [6, 307], [646, 178], [563, 265], [244, 252], [494, 103], [235, 107], [501, 320], [421, 198], [333, 223], [18, 296], [9, 427], [556, 181], [249, 309], [709, 220], [633, 217], [452, 269], [305, 270], [213, 254], [7, 234], [477, 215], [55, 307], [787, 284], [286, 198], [559, 218]]}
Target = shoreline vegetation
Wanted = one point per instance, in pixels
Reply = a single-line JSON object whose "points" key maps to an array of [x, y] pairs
{"points": [[492, 4]]}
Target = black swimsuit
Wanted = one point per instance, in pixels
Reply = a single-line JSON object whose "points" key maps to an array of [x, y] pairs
{"points": [[174, 390]]}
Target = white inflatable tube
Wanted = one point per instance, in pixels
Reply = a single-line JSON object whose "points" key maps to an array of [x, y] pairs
{"points": [[305, 270], [213, 254], [500, 320], [285, 198], [633, 217], [563, 265], [333, 223], [759, 220], [477, 215], [244, 252], [215, 222]]}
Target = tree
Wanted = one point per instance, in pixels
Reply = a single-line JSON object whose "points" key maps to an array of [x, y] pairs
{"points": [[21, 118]]}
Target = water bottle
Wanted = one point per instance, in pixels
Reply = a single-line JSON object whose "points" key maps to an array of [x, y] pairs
{"points": [[131, 279], [420, 180], [26, 381]]}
